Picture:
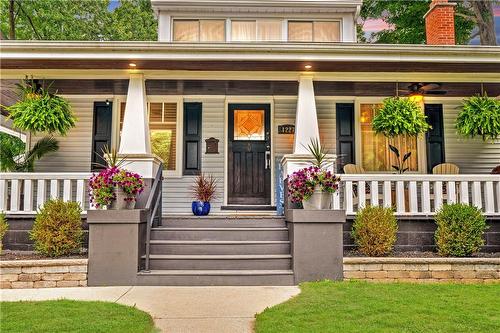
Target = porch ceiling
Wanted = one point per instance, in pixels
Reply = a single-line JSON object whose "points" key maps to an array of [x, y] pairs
{"points": [[338, 57]]}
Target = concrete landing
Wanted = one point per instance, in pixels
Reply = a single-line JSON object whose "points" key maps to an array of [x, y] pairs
{"points": [[177, 309]]}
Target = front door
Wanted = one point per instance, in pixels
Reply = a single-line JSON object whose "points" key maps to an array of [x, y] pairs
{"points": [[249, 154], [101, 133]]}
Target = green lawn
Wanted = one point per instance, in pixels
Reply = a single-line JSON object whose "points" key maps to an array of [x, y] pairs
{"points": [[397, 307], [72, 316]]}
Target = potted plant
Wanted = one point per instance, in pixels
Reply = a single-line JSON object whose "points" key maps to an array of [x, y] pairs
{"points": [[400, 117], [203, 192], [315, 185], [480, 116]]}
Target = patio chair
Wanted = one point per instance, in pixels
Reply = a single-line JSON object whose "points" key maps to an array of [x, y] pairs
{"points": [[446, 169], [355, 169]]}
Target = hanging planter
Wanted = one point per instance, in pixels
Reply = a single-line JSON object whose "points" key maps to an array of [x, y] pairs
{"points": [[400, 117], [479, 117], [40, 111]]}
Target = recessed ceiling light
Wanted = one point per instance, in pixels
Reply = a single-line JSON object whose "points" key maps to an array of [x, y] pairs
{"points": [[308, 66], [132, 64]]}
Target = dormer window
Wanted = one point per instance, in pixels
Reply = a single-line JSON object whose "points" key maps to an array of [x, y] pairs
{"points": [[199, 30], [313, 31], [256, 30]]}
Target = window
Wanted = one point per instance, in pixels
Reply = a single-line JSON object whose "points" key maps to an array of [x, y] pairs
{"points": [[256, 30], [163, 131], [375, 152], [314, 31], [249, 124], [199, 30]]}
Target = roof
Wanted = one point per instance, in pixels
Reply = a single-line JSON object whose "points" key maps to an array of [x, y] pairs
{"points": [[78, 54]]}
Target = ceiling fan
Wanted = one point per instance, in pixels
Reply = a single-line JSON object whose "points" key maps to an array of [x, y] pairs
{"points": [[424, 88]]}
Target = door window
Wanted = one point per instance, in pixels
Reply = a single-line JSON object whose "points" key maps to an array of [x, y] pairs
{"points": [[249, 125]]}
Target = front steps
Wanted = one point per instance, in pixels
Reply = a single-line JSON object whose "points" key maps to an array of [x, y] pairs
{"points": [[219, 250]]}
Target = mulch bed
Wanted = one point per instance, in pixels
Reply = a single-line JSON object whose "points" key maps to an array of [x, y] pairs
{"points": [[418, 254], [30, 255]]}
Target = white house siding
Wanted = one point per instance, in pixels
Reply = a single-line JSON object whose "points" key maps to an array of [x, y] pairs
{"points": [[471, 155], [177, 191], [74, 154]]}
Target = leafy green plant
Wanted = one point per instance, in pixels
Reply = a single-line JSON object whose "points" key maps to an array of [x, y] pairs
{"points": [[400, 116], [40, 111], [57, 230], [11, 159], [460, 229], [402, 162], [480, 116], [374, 230], [318, 152], [4, 226]]}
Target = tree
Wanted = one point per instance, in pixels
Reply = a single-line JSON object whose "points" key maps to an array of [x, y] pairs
{"points": [[77, 20], [407, 24]]}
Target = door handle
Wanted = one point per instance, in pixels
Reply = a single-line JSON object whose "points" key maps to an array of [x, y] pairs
{"points": [[268, 160]]}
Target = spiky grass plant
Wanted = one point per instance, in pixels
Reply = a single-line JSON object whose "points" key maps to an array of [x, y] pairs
{"points": [[204, 188]]}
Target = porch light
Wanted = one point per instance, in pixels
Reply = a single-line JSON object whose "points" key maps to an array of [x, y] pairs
{"points": [[417, 97], [132, 64], [307, 66]]}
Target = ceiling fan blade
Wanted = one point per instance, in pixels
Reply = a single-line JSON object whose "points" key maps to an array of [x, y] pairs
{"points": [[430, 86], [436, 92]]}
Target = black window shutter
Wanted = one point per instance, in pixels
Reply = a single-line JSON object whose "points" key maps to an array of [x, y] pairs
{"points": [[345, 135], [101, 133], [435, 136], [192, 138]]}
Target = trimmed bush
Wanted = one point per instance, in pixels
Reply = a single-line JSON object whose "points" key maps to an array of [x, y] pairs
{"points": [[374, 230], [459, 230], [57, 230], [4, 226]]}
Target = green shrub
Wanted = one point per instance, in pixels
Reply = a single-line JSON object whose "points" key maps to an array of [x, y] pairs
{"points": [[57, 230], [4, 226], [374, 230], [459, 230]]}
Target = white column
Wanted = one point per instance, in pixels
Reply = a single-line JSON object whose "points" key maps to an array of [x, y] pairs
{"points": [[306, 119], [135, 133]]}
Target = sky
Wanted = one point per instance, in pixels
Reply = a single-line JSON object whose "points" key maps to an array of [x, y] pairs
{"points": [[371, 26]]}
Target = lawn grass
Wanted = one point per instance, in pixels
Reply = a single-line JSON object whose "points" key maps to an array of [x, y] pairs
{"points": [[386, 307], [72, 316]]}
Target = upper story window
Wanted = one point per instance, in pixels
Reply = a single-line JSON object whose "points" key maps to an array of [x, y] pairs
{"points": [[256, 30], [313, 31], [199, 30]]}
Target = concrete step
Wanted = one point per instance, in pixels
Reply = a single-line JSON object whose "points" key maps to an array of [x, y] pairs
{"points": [[220, 261], [219, 234], [233, 221], [219, 247], [216, 278]]}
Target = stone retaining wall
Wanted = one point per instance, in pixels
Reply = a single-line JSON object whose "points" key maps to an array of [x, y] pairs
{"points": [[43, 273], [466, 270]]}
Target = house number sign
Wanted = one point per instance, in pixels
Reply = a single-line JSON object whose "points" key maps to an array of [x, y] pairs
{"points": [[286, 129]]}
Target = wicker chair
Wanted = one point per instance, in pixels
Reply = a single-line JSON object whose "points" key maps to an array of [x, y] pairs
{"points": [[353, 168]]}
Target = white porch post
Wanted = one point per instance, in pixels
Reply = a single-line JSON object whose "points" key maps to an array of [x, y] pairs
{"points": [[135, 144], [135, 137], [306, 119]]}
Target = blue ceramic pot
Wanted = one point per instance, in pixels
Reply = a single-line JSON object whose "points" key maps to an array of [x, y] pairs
{"points": [[200, 208]]}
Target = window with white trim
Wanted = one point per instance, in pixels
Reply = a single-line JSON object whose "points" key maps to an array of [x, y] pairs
{"points": [[256, 30], [313, 31], [210, 30]]}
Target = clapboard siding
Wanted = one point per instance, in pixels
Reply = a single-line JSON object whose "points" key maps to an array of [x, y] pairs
{"points": [[327, 124], [74, 154], [177, 191], [471, 155]]}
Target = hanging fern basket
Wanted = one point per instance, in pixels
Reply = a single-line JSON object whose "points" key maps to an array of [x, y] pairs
{"points": [[479, 117], [40, 111], [400, 116]]}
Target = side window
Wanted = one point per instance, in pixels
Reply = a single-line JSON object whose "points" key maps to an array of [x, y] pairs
{"points": [[192, 138]]}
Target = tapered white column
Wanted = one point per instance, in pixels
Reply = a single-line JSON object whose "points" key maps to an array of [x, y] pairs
{"points": [[306, 119], [135, 137]]}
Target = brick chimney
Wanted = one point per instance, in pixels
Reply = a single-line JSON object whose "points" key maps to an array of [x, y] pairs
{"points": [[440, 23]]}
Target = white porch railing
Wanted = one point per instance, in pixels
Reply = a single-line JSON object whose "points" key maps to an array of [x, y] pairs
{"points": [[24, 192], [419, 194]]}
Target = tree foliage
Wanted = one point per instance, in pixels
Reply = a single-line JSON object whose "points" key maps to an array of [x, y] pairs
{"points": [[79, 20], [406, 20]]}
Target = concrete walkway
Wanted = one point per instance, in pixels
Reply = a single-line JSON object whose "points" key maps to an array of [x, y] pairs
{"points": [[177, 309]]}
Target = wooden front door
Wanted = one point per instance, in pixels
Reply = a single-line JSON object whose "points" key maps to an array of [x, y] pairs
{"points": [[249, 154], [101, 133]]}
